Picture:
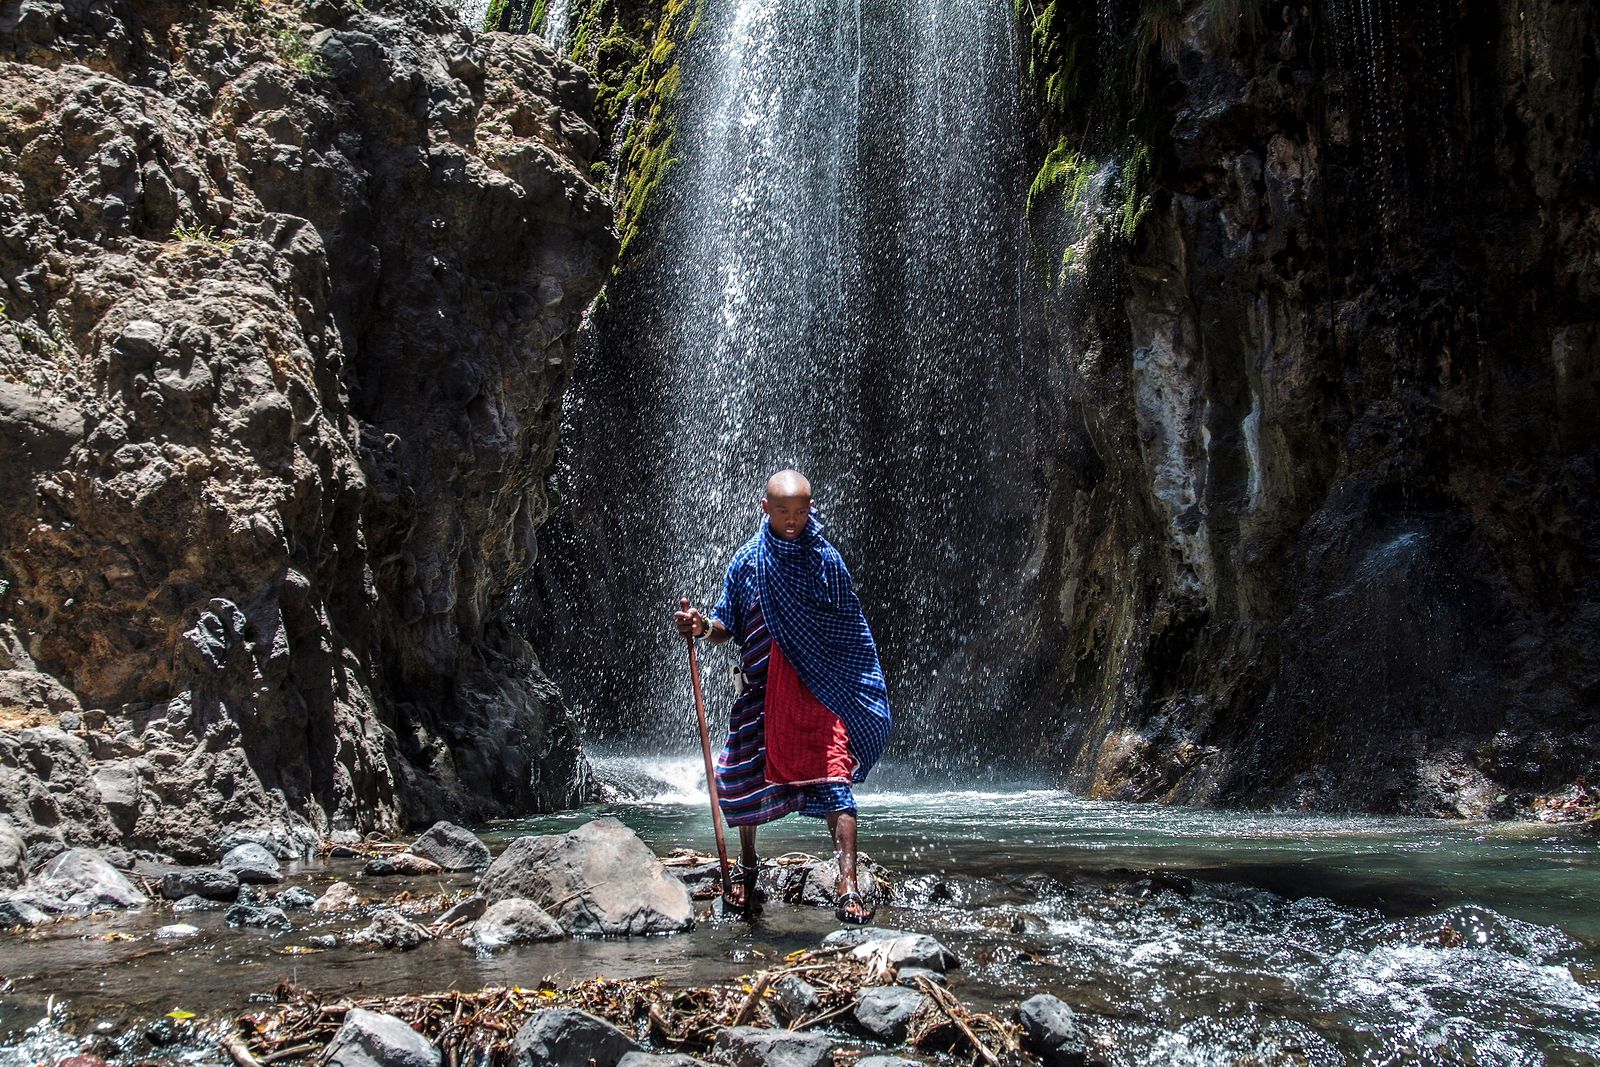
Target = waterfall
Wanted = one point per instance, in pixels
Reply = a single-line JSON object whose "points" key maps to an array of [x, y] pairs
{"points": [[836, 283], [556, 18]]}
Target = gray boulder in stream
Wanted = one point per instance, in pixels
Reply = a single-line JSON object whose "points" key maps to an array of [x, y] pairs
{"points": [[885, 1012], [83, 878], [372, 1039], [567, 1037], [1050, 1031], [451, 847], [599, 879]]}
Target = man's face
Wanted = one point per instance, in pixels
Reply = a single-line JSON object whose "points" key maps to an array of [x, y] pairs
{"points": [[788, 514]]}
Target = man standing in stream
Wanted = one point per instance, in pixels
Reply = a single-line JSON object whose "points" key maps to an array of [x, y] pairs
{"points": [[812, 715]]}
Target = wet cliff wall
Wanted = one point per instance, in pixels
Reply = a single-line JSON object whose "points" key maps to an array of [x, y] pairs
{"points": [[289, 294], [1325, 308]]}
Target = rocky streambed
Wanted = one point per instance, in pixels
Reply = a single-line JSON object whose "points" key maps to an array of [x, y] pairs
{"points": [[1185, 938]]}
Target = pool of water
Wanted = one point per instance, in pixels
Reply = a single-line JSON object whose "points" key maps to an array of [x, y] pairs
{"points": [[1268, 938]]}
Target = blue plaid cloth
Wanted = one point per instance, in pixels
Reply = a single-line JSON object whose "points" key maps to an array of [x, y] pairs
{"points": [[815, 616]]}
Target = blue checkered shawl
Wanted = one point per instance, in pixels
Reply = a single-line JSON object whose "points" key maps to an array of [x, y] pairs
{"points": [[814, 615]]}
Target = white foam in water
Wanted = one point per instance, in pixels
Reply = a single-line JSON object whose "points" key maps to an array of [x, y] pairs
{"points": [[655, 779]]}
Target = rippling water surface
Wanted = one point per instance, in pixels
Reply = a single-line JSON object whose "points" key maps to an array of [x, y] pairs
{"points": [[1181, 937]]}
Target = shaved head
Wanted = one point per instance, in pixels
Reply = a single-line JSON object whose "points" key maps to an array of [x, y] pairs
{"points": [[788, 483], [787, 503]]}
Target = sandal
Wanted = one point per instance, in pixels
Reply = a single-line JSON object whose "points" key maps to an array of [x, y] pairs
{"points": [[751, 896], [844, 915]]}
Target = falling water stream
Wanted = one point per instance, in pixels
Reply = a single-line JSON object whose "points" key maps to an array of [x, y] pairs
{"points": [[836, 284]]}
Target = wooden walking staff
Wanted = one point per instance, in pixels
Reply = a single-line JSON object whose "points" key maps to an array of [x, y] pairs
{"points": [[705, 748]]}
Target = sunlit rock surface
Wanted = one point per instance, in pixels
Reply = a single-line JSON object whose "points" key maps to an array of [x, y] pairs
{"points": [[286, 311]]}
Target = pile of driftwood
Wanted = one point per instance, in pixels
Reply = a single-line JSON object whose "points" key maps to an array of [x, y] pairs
{"points": [[477, 1028]]}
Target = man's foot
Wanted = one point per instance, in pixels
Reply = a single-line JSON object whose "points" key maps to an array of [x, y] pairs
{"points": [[852, 909], [742, 887]]}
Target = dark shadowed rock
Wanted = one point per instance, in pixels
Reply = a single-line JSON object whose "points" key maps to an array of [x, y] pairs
{"points": [[512, 921], [469, 910], [213, 883], [885, 1012], [753, 1046], [252, 863], [566, 1037], [404, 863], [83, 879], [390, 929], [371, 1039], [451, 847], [597, 879], [1050, 1031]]}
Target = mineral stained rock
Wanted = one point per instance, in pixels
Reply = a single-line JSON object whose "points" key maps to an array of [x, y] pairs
{"points": [[287, 307]]}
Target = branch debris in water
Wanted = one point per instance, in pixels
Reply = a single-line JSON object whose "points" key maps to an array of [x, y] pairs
{"points": [[477, 1028]]}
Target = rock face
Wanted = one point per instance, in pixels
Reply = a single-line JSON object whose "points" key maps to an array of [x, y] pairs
{"points": [[599, 879], [1323, 529], [287, 310]]}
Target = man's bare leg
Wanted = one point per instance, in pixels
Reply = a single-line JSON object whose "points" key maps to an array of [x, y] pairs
{"points": [[843, 825]]}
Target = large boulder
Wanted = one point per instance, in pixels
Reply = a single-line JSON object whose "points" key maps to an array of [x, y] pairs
{"points": [[754, 1046], [513, 921], [451, 847], [371, 1039], [84, 879], [1050, 1031], [597, 879], [567, 1037]]}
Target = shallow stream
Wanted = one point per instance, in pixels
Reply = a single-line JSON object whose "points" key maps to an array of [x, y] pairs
{"points": [[1261, 938]]}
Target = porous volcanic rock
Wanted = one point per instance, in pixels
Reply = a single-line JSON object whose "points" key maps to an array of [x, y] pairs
{"points": [[287, 312]]}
